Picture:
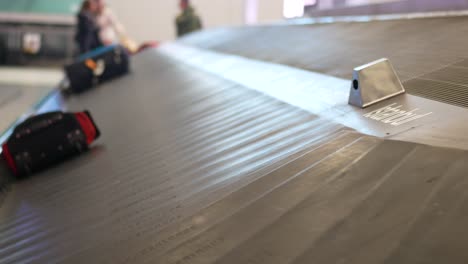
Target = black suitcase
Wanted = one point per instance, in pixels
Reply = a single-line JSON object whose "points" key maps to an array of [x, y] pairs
{"points": [[96, 67], [44, 140]]}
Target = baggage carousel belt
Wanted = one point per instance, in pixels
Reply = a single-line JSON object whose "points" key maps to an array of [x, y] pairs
{"points": [[192, 168], [429, 54]]}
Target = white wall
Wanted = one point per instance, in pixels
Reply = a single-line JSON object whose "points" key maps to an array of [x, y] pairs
{"points": [[154, 19], [270, 10], [220, 12], [146, 19]]}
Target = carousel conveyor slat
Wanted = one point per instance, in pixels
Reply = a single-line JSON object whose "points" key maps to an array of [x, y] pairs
{"points": [[420, 49], [193, 168]]}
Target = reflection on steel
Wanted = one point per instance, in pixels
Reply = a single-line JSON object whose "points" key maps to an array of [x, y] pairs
{"points": [[373, 83], [392, 7], [394, 114], [370, 18]]}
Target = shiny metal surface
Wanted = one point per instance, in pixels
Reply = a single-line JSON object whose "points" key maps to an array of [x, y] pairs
{"points": [[194, 168], [150, 171], [433, 81], [418, 119], [416, 47], [373, 83], [447, 84], [392, 7], [327, 19]]}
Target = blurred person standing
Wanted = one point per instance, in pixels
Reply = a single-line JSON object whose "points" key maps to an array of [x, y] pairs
{"points": [[87, 34], [188, 21], [111, 30]]}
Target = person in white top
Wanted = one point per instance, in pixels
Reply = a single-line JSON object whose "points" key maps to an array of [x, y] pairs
{"points": [[111, 31]]}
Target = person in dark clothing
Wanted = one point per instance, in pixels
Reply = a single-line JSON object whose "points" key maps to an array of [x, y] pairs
{"points": [[188, 21], [87, 35]]}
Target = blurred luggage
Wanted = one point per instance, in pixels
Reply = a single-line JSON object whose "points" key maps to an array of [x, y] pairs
{"points": [[96, 67]]}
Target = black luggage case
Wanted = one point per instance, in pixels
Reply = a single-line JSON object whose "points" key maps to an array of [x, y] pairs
{"points": [[47, 139], [96, 67]]}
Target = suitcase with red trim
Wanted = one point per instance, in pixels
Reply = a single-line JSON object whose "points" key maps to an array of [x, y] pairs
{"points": [[47, 139]]}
